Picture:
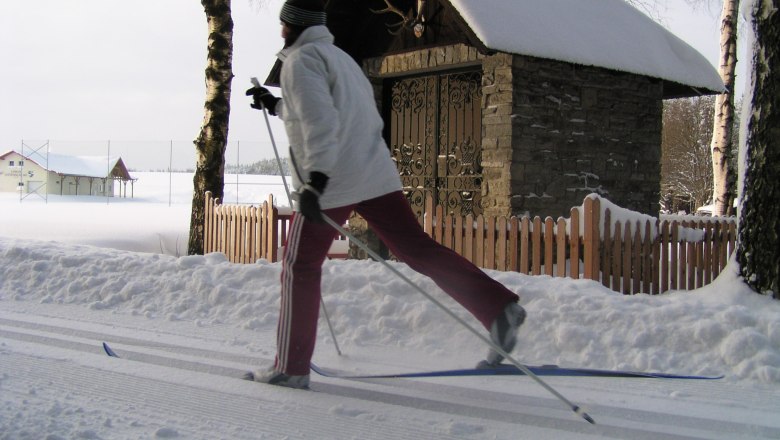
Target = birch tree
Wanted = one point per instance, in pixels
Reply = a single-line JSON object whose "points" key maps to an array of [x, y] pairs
{"points": [[721, 145], [758, 249], [211, 142]]}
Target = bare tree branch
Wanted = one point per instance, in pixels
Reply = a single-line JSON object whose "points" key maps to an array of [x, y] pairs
{"points": [[655, 9]]}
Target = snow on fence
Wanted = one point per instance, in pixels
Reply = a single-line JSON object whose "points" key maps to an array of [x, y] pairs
{"points": [[625, 251]]}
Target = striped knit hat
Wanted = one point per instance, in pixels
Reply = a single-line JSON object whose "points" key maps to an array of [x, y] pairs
{"points": [[303, 13]]}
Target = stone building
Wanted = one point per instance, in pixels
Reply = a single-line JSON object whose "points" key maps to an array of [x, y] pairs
{"points": [[509, 107]]}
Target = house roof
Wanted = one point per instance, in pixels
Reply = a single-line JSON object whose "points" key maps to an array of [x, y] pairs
{"points": [[87, 166], [603, 33]]}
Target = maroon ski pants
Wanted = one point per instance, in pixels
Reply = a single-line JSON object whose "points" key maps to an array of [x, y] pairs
{"points": [[391, 217]]}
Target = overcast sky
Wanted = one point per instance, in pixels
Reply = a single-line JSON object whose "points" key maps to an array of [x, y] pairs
{"points": [[82, 72]]}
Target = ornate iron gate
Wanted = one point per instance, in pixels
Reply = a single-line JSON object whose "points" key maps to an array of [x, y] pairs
{"points": [[435, 133]]}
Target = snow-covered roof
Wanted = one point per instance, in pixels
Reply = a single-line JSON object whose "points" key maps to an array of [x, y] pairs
{"points": [[604, 33], [87, 166]]}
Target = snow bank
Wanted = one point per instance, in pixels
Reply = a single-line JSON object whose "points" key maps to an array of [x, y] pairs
{"points": [[721, 329]]}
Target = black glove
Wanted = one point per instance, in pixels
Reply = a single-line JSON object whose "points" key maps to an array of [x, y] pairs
{"points": [[263, 98], [309, 198]]}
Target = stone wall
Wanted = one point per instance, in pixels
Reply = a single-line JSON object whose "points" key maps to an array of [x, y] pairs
{"points": [[555, 132], [497, 134]]}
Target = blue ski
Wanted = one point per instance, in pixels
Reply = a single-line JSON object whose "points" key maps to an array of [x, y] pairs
{"points": [[511, 370], [109, 351], [499, 370]]}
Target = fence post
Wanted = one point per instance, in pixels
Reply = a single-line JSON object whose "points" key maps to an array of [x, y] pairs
{"points": [[479, 242], [221, 226], [617, 258], [592, 239], [607, 256], [489, 258], [627, 258], [732, 237], [675, 263], [700, 257], [574, 244], [468, 239], [707, 254], [647, 261], [438, 227], [502, 244], [690, 263], [232, 215], [514, 236], [665, 245], [273, 233], [561, 248], [536, 247], [207, 233], [525, 232], [246, 229], [637, 258], [549, 233], [428, 216], [253, 213], [448, 231], [458, 235]]}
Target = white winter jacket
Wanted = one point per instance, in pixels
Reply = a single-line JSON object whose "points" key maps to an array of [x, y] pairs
{"points": [[332, 122]]}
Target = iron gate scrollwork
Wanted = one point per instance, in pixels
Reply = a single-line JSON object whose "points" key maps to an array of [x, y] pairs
{"points": [[435, 131]]}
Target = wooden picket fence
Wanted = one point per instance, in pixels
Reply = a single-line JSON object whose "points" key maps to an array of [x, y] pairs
{"points": [[623, 253], [246, 234], [626, 255], [243, 233]]}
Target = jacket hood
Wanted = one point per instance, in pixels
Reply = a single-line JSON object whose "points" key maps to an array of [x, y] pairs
{"points": [[311, 34]]}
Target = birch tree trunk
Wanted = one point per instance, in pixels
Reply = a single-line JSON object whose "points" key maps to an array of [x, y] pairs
{"points": [[211, 142], [758, 250], [721, 145]]}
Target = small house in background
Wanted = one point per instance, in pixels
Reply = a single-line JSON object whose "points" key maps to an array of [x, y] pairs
{"points": [[510, 107], [64, 175]]}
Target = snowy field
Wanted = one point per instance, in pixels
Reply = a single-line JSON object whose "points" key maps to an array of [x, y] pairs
{"points": [[155, 219], [78, 271]]}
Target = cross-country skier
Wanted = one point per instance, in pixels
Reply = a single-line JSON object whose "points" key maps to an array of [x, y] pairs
{"points": [[343, 165]]}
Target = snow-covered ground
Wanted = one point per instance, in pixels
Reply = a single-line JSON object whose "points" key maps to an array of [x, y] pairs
{"points": [[78, 271]]}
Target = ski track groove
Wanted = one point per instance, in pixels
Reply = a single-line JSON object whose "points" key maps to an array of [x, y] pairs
{"points": [[156, 398], [154, 389], [135, 408], [493, 409], [91, 335]]}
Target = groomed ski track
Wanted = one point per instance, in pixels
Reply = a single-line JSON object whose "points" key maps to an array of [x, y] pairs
{"points": [[181, 380]]}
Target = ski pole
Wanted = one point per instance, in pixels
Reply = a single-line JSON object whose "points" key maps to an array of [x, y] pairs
{"points": [[256, 83]]}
